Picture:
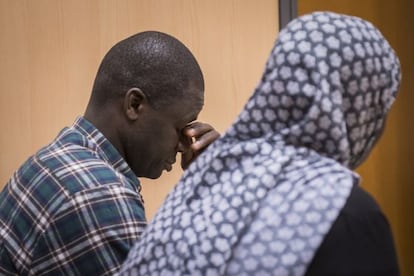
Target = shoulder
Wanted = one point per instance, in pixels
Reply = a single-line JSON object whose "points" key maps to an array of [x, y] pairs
{"points": [[73, 165], [361, 203], [55, 175], [362, 209], [360, 241]]}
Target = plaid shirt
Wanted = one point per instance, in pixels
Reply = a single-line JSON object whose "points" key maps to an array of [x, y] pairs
{"points": [[74, 208]]}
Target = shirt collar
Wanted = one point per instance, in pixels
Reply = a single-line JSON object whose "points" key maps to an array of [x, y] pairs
{"points": [[98, 142]]}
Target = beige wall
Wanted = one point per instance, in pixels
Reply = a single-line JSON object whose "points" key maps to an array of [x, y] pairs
{"points": [[50, 51], [389, 173]]}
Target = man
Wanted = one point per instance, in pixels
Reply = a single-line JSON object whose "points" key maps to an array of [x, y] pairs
{"points": [[74, 208]]}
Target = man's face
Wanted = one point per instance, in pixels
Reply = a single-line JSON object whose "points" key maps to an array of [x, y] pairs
{"points": [[154, 143]]}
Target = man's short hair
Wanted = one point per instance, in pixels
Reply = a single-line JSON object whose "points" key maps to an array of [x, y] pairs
{"points": [[157, 63]]}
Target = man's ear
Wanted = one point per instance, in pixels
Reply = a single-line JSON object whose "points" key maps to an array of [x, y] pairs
{"points": [[134, 101]]}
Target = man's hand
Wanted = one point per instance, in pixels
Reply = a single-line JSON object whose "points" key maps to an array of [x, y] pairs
{"points": [[198, 137]]}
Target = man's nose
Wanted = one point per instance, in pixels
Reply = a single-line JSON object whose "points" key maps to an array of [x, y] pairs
{"points": [[180, 147], [184, 143]]}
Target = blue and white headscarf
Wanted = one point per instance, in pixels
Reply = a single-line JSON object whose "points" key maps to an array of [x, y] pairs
{"points": [[261, 199]]}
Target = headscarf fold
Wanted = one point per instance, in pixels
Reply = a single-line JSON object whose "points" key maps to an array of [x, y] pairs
{"points": [[261, 199]]}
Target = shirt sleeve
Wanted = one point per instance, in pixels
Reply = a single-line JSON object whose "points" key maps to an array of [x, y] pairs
{"points": [[91, 234]]}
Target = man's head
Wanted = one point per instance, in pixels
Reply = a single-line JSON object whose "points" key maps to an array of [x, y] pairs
{"points": [[147, 89]]}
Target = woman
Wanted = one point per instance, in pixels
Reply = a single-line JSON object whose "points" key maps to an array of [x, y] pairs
{"points": [[277, 194]]}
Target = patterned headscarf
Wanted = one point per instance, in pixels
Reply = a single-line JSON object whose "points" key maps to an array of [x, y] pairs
{"points": [[261, 199]]}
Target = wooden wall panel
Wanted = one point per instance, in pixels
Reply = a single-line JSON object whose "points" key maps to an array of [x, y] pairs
{"points": [[50, 51], [388, 173]]}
